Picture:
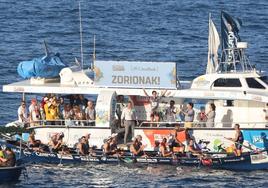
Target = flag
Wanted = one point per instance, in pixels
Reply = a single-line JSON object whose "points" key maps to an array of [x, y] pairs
{"points": [[230, 27], [213, 45]]}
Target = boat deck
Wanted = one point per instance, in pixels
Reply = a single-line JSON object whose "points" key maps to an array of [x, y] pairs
{"points": [[56, 87]]}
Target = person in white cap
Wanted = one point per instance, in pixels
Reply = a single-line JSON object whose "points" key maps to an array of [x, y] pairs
{"points": [[90, 113]]}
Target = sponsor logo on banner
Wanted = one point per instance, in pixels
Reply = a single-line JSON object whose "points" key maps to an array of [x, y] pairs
{"points": [[157, 135], [65, 156], [259, 158]]}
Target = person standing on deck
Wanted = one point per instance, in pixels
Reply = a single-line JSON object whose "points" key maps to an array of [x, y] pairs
{"points": [[128, 119], [22, 113], [211, 115], [266, 114], [119, 106], [188, 115], [90, 113], [34, 112], [171, 112], [154, 100], [238, 140], [68, 114], [202, 117]]}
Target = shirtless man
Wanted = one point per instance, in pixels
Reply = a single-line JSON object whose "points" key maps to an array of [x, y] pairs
{"points": [[238, 140]]}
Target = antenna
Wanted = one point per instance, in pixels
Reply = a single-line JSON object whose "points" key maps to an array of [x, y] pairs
{"points": [[94, 53], [46, 48], [81, 38]]}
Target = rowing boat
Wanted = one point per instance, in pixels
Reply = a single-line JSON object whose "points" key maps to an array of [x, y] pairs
{"points": [[247, 161], [10, 174], [255, 160]]}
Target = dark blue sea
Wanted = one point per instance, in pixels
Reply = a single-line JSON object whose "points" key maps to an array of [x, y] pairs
{"points": [[144, 30]]}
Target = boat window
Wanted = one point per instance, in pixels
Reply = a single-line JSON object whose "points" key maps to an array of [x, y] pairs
{"points": [[252, 83], [264, 79], [227, 82], [228, 103]]}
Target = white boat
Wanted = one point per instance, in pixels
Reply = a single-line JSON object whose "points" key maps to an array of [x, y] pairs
{"points": [[239, 92]]}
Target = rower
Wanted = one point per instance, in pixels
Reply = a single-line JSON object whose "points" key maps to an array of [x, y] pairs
{"points": [[56, 142], [83, 147], [9, 160], [163, 149], [176, 143], [136, 148], [238, 140], [2, 155], [110, 145], [33, 143], [194, 150]]}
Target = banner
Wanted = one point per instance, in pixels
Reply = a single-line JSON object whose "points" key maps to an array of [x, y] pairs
{"points": [[135, 74]]}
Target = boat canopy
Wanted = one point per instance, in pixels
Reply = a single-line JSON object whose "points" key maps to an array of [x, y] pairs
{"points": [[54, 86]]}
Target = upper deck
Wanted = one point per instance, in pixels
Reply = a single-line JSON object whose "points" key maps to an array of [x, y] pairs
{"points": [[54, 86]]}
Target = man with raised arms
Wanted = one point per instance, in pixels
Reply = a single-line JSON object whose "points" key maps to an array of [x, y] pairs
{"points": [[154, 100]]}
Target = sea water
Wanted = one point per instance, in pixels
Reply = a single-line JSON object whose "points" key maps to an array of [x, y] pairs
{"points": [[151, 30]]}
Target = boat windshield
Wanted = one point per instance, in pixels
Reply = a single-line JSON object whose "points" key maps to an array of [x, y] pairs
{"points": [[264, 79]]}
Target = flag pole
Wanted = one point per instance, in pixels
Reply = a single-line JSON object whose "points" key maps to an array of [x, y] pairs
{"points": [[209, 46], [81, 38], [94, 53]]}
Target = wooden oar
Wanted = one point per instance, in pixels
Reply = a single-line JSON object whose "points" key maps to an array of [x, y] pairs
{"points": [[248, 147]]}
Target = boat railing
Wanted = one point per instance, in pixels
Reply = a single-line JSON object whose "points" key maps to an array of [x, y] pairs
{"points": [[234, 60], [195, 124], [62, 122], [198, 124]]}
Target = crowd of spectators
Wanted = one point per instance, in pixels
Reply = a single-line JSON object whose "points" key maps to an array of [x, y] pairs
{"points": [[53, 110]]}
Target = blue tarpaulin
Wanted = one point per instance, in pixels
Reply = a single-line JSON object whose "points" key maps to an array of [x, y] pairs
{"points": [[48, 66]]}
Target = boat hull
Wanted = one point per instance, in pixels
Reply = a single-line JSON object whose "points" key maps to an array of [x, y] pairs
{"points": [[246, 162], [10, 174], [258, 161], [254, 137]]}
